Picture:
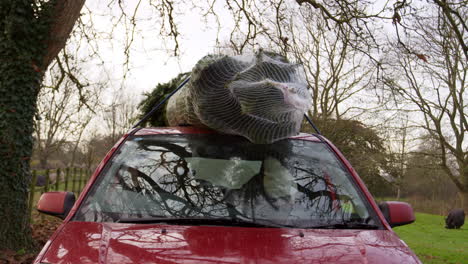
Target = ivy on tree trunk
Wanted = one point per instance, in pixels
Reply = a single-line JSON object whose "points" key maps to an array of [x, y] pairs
{"points": [[21, 46], [31, 33]]}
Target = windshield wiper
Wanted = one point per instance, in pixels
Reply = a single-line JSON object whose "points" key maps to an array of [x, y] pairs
{"points": [[347, 225], [199, 221]]}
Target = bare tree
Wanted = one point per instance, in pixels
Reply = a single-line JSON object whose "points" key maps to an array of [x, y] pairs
{"points": [[120, 115], [356, 15], [93, 148], [337, 73], [63, 109], [52, 123], [435, 85], [426, 180], [402, 152]]}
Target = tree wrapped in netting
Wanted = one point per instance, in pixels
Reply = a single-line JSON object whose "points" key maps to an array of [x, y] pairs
{"points": [[262, 97]]}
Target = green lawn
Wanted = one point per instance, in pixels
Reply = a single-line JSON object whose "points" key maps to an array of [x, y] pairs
{"points": [[432, 242]]}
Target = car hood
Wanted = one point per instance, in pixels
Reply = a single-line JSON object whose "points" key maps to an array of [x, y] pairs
{"points": [[86, 242]]}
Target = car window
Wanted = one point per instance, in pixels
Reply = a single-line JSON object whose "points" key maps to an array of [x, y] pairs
{"points": [[292, 182]]}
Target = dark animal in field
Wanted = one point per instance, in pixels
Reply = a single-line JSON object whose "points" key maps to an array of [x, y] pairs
{"points": [[455, 219], [41, 180]]}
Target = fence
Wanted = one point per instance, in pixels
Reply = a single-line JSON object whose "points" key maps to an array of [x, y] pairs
{"points": [[67, 179]]}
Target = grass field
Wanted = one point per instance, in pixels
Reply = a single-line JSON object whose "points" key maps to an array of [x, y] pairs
{"points": [[432, 242]]}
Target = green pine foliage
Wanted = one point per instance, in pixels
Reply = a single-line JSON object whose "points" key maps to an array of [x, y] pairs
{"points": [[158, 119]]}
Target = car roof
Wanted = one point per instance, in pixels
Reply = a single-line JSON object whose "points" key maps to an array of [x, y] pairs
{"points": [[199, 130]]}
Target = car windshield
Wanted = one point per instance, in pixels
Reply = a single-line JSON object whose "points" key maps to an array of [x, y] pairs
{"points": [[290, 183]]}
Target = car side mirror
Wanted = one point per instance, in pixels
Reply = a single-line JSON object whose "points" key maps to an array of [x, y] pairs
{"points": [[397, 213], [56, 203]]}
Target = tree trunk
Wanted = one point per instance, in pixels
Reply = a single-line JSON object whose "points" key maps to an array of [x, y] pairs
{"points": [[43, 162], [16, 128], [25, 51], [464, 192], [19, 87], [464, 200]]}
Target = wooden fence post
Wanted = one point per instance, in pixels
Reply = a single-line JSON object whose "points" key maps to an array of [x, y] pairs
{"points": [[57, 179], [73, 179], [67, 175], [83, 172], [80, 181], [32, 191], [47, 175]]}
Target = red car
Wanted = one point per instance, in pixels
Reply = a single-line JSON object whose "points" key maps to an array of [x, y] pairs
{"points": [[189, 195]]}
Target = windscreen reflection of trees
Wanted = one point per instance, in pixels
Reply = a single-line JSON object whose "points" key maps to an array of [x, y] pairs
{"points": [[163, 185]]}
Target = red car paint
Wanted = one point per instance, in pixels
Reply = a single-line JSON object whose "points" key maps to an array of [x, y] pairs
{"points": [[401, 207], [89, 242], [122, 243], [54, 201]]}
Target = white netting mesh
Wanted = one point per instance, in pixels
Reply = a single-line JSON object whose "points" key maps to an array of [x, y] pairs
{"points": [[261, 97]]}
